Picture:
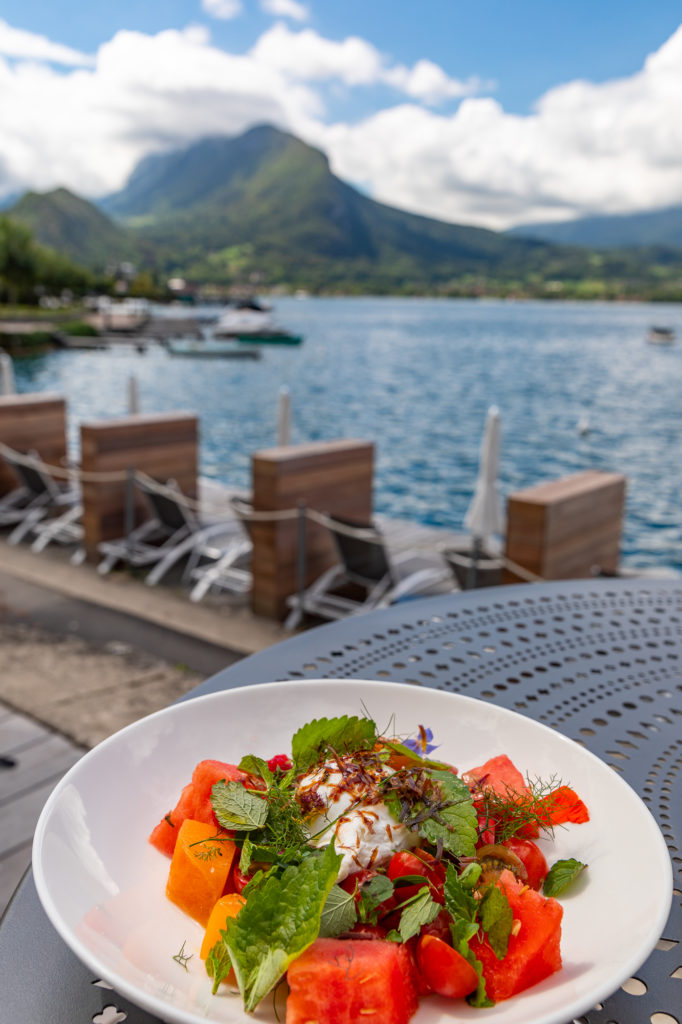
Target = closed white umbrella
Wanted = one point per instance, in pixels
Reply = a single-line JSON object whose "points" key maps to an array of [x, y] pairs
{"points": [[6, 374], [284, 416], [133, 396], [484, 516]]}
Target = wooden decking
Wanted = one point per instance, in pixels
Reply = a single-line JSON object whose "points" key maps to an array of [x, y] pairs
{"points": [[33, 760]]}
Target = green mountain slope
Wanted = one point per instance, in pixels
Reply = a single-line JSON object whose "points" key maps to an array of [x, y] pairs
{"points": [[657, 227], [267, 203], [75, 227]]}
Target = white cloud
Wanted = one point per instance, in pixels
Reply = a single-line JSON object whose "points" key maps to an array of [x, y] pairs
{"points": [[87, 129], [286, 9], [15, 42], [611, 147], [586, 147], [308, 56], [224, 9]]}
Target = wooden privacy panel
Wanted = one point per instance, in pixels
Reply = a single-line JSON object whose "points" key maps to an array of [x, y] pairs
{"points": [[567, 528], [164, 446], [29, 422], [329, 476]]}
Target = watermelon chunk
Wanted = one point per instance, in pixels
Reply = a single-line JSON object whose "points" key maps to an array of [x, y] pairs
{"points": [[498, 774], [194, 802], [343, 981], [533, 953]]}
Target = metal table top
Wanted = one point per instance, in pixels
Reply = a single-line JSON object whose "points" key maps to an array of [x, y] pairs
{"points": [[598, 660]]}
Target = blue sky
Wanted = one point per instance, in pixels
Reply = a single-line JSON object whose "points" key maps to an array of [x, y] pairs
{"points": [[490, 113]]}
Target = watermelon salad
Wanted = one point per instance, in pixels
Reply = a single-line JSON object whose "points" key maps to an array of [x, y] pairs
{"points": [[366, 875]]}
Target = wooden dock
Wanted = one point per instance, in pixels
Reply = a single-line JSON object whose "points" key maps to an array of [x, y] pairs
{"points": [[33, 759]]}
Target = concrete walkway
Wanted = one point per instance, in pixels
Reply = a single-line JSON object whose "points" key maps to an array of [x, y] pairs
{"points": [[81, 657]]}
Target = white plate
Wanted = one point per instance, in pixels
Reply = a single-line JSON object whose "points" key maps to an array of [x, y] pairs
{"points": [[102, 884]]}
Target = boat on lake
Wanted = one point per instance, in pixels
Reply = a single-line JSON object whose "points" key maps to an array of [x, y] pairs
{"points": [[255, 325], [660, 336], [211, 349]]}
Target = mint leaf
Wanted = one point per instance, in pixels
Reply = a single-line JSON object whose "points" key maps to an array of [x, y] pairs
{"points": [[256, 766], [454, 822], [459, 901], [339, 913], [218, 963], [561, 875], [478, 997], [246, 856], [280, 919], [341, 735], [372, 895], [238, 808], [419, 910], [496, 919]]}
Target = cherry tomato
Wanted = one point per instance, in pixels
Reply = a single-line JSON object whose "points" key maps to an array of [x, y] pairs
{"points": [[417, 862], [241, 880], [444, 969], [532, 857], [354, 883]]}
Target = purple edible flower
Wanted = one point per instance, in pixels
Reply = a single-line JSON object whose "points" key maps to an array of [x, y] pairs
{"points": [[422, 745]]}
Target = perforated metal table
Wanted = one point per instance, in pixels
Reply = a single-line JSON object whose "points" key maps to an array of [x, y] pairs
{"points": [[600, 661]]}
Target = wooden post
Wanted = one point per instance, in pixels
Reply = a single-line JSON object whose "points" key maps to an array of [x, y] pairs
{"points": [[32, 422], [163, 446], [568, 528], [329, 476]]}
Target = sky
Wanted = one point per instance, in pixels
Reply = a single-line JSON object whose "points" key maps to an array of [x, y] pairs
{"points": [[490, 113]]}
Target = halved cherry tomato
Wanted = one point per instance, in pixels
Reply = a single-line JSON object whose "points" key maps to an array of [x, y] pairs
{"points": [[532, 857], [417, 862], [444, 969], [241, 880]]}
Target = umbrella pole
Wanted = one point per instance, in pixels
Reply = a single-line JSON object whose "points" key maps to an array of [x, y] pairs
{"points": [[472, 571]]}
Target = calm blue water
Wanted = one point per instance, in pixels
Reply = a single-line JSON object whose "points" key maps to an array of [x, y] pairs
{"points": [[417, 376]]}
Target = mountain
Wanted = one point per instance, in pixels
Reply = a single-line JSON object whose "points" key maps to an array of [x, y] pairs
{"points": [[266, 203], [263, 210], [656, 227], [75, 227]]}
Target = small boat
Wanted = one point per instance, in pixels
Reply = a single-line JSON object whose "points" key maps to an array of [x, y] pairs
{"points": [[660, 336], [271, 338], [250, 324], [212, 349]]}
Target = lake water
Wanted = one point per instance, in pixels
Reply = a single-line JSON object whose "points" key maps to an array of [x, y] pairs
{"points": [[416, 376]]}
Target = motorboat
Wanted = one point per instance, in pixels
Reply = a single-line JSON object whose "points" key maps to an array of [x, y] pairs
{"points": [[247, 323], [660, 336]]}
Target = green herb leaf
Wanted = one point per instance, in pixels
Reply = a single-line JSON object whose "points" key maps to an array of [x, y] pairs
{"points": [[280, 919], [497, 918], [561, 875], [218, 963], [256, 766], [341, 735], [394, 936], [419, 910], [425, 762], [478, 997], [372, 894], [238, 808], [459, 901], [455, 822], [246, 856], [339, 913]]}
